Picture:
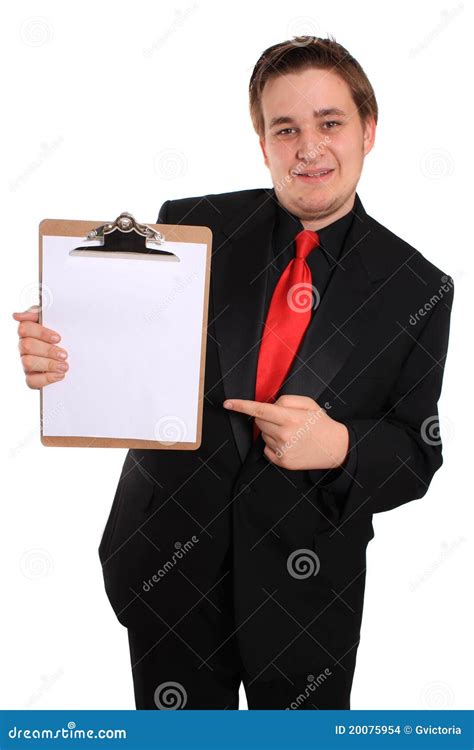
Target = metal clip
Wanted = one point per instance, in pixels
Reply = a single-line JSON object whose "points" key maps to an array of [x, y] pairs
{"points": [[126, 223]]}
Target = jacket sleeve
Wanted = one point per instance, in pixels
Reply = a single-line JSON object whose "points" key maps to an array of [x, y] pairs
{"points": [[399, 452]]}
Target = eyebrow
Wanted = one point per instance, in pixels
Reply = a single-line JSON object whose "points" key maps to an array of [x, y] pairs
{"points": [[317, 113]]}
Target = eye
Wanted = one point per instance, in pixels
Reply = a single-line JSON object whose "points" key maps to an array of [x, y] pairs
{"points": [[285, 130], [332, 122]]}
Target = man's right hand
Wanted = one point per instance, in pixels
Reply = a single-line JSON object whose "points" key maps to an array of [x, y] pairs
{"points": [[43, 361]]}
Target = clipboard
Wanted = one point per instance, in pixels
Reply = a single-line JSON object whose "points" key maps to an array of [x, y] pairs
{"points": [[153, 282]]}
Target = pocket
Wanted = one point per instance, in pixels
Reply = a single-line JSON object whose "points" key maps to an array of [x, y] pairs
{"points": [[127, 555], [324, 546], [132, 499], [110, 524]]}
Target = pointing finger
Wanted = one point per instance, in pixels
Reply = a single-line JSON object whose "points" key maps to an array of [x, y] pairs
{"points": [[258, 409]]}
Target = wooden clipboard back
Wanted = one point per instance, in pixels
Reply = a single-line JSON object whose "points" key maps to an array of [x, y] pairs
{"points": [[172, 233]]}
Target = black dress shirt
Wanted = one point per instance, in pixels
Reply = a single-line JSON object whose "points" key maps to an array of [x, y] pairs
{"points": [[322, 262]]}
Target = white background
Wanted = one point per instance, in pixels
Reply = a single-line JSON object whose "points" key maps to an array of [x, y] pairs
{"points": [[112, 107]]}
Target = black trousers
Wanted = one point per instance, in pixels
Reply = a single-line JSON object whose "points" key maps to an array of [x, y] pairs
{"points": [[169, 673]]}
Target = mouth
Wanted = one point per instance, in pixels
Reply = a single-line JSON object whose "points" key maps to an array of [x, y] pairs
{"points": [[321, 175]]}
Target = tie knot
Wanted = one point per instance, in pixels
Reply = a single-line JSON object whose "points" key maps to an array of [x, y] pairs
{"points": [[306, 240]]}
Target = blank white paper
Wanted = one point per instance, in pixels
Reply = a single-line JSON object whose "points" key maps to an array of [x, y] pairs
{"points": [[133, 330]]}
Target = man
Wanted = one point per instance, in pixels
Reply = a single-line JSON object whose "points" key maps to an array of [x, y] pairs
{"points": [[245, 559]]}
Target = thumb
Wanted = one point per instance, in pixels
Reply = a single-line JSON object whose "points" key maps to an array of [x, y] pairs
{"points": [[297, 402], [31, 314]]}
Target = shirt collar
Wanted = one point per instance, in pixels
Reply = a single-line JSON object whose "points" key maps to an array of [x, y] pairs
{"points": [[331, 237]]}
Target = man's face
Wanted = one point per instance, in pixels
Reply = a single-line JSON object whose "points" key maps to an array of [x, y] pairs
{"points": [[312, 124]]}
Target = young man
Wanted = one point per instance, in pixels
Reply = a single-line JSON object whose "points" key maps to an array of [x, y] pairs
{"points": [[245, 560]]}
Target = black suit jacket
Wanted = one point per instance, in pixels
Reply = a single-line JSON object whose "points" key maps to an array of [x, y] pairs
{"points": [[369, 355], [373, 356]]}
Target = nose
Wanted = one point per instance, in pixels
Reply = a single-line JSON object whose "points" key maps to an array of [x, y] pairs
{"points": [[309, 150]]}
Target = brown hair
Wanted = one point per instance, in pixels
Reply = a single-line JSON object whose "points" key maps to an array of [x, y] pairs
{"points": [[301, 53]]}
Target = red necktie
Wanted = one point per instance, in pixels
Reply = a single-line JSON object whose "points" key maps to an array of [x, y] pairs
{"points": [[288, 317]]}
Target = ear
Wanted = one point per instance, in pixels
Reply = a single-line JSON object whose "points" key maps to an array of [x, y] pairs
{"points": [[261, 141], [369, 134]]}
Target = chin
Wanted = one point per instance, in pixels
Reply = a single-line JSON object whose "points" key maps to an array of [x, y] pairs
{"points": [[317, 206]]}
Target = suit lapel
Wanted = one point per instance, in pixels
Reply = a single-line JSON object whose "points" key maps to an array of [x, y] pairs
{"points": [[240, 259]]}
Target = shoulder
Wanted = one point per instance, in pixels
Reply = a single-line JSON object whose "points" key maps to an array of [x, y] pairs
{"points": [[388, 255], [211, 209]]}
